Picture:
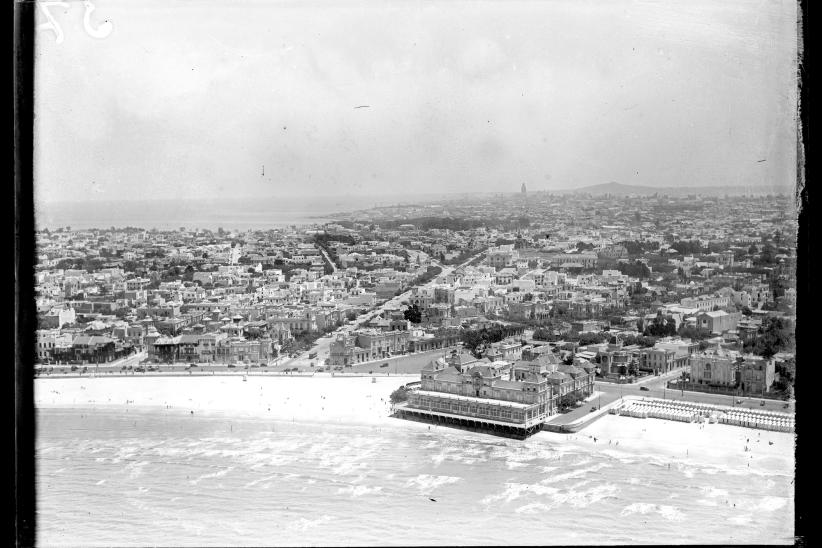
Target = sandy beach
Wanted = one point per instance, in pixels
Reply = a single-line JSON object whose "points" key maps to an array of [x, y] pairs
{"points": [[358, 400], [719, 447], [355, 400], [343, 458]]}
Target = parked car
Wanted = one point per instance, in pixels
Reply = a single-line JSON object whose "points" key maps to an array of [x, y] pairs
{"points": [[384, 365], [593, 409], [644, 388], [232, 365]]}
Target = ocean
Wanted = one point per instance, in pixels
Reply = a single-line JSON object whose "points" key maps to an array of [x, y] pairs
{"points": [[258, 213], [110, 476]]}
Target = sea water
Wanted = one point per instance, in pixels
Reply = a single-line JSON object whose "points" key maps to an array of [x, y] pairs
{"points": [[110, 477], [257, 213]]}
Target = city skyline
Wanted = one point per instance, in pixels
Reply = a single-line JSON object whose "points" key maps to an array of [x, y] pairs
{"points": [[307, 100]]}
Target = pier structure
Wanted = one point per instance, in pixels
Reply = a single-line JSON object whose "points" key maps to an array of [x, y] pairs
{"points": [[487, 426]]}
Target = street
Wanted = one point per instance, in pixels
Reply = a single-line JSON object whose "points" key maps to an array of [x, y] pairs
{"points": [[323, 344]]}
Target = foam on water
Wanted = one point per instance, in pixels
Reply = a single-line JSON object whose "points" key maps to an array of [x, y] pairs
{"points": [[426, 483], [532, 508], [358, 490], [197, 481]]}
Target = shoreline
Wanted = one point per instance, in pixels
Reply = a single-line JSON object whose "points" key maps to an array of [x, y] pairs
{"points": [[268, 395], [203, 374], [709, 448], [361, 401]]}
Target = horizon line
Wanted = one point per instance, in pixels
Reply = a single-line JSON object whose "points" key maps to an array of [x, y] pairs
{"points": [[713, 188]]}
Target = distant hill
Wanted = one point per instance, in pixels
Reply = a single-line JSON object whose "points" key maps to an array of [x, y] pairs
{"points": [[618, 189]]}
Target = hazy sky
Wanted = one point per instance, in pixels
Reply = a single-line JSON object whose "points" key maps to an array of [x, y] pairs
{"points": [[192, 98]]}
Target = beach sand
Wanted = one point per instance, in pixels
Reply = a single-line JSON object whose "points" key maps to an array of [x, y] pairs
{"points": [[355, 400], [358, 400], [720, 447]]}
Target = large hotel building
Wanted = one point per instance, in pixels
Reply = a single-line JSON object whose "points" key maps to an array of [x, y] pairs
{"points": [[497, 396]]}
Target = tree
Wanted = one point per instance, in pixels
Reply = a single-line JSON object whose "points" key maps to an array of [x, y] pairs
{"points": [[543, 334], [772, 337], [695, 333], [569, 400], [476, 340], [592, 338], [399, 395], [413, 314], [634, 269], [661, 327]]}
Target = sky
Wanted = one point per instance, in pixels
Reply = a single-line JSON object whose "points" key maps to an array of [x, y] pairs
{"points": [[203, 99]]}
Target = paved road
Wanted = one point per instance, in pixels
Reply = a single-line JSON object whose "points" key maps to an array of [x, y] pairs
{"points": [[323, 344], [132, 360], [587, 407], [327, 258]]}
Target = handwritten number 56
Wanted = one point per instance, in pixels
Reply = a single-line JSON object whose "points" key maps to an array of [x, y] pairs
{"points": [[100, 31]]}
